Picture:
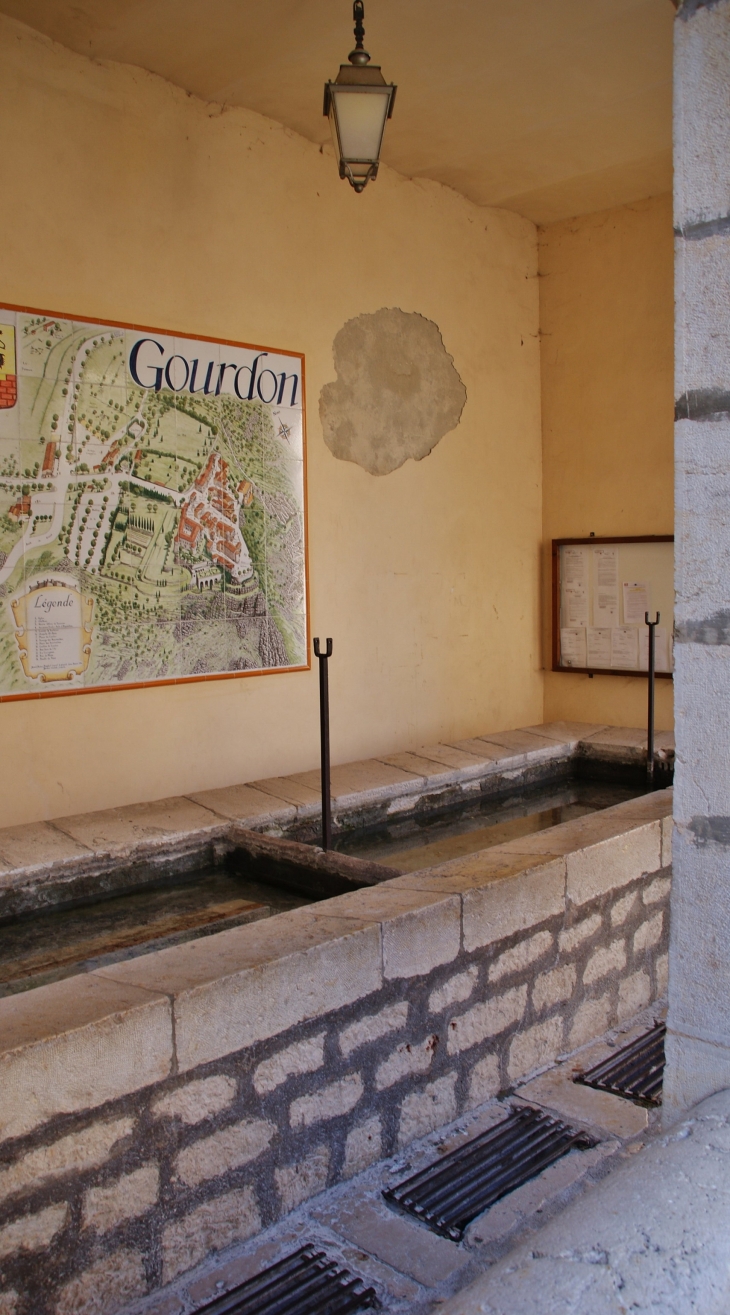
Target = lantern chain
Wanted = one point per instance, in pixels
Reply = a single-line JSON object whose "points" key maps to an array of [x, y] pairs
{"points": [[358, 13], [359, 55]]}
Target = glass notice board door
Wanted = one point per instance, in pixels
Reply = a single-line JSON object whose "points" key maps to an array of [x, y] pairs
{"points": [[602, 591]]}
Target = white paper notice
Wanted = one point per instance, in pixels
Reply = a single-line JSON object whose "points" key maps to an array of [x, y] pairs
{"points": [[575, 585], [661, 649], [574, 570], [573, 647], [605, 600], [636, 602], [625, 647], [598, 646], [575, 606]]}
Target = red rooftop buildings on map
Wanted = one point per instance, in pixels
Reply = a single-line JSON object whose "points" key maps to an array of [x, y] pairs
{"points": [[211, 510], [49, 460], [21, 510]]}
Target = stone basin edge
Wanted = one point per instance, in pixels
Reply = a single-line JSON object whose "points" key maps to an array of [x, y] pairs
{"points": [[114, 1031], [183, 828]]}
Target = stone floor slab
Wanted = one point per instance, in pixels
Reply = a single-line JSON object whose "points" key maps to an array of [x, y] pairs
{"points": [[407, 1247], [559, 1094], [652, 1237], [219, 1278], [396, 1284], [169, 1304], [525, 1205]]}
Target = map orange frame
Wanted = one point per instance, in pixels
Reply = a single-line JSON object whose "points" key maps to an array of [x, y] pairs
{"points": [[209, 676]]}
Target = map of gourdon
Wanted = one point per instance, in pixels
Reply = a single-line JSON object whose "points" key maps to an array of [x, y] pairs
{"points": [[152, 506]]}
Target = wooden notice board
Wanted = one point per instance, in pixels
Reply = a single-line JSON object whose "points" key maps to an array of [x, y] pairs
{"points": [[601, 590]]}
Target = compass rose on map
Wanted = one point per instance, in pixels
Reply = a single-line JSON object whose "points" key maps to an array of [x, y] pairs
{"points": [[284, 430]]}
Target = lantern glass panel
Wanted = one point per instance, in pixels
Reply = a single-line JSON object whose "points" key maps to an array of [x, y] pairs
{"points": [[357, 118]]}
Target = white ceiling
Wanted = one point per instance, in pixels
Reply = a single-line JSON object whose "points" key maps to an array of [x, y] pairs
{"points": [[547, 107]]}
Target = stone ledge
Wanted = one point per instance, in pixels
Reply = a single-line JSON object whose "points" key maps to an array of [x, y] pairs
{"points": [[356, 784], [75, 1044], [115, 830], [246, 803], [90, 844], [420, 929], [621, 744], [231, 990]]}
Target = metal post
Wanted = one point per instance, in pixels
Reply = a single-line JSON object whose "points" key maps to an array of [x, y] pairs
{"points": [[650, 726], [324, 736]]}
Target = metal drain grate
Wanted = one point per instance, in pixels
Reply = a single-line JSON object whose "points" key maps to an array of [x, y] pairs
{"points": [[305, 1283], [448, 1195], [637, 1071]]}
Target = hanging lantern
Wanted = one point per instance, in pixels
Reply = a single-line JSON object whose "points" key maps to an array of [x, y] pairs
{"points": [[357, 104]]}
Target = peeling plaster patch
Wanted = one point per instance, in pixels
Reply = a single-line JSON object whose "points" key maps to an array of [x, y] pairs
{"points": [[397, 391]]}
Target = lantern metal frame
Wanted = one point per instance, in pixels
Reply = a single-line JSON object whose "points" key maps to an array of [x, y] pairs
{"points": [[358, 77]]}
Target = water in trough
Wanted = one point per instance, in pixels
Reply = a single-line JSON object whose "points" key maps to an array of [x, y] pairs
{"points": [[49, 943]]}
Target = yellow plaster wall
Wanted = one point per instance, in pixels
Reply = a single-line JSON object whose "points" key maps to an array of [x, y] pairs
{"points": [[606, 319], [124, 198]]}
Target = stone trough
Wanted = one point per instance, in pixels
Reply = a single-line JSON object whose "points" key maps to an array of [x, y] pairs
{"points": [[159, 1108]]}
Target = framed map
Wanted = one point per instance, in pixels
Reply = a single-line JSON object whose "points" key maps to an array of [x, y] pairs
{"points": [[152, 507]]}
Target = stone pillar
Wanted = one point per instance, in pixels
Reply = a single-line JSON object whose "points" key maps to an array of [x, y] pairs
{"points": [[698, 1042]]}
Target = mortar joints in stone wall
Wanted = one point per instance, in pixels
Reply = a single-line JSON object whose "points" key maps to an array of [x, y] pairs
{"points": [[378, 1120], [174, 1066]]}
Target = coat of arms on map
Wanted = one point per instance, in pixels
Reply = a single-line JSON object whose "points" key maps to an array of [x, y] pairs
{"points": [[8, 377], [152, 507]]}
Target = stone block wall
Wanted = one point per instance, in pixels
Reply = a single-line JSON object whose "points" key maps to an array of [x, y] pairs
{"points": [[698, 1039], [468, 978]]}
